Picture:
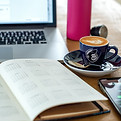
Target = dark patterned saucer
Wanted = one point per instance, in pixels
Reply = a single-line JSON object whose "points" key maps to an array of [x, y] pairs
{"points": [[94, 71]]}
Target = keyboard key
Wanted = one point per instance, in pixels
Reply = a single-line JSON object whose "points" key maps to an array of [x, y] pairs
{"points": [[22, 37]]}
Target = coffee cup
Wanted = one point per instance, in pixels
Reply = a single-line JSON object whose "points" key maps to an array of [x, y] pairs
{"points": [[94, 50]]}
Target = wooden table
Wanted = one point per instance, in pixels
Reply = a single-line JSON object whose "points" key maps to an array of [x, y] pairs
{"points": [[107, 12]]}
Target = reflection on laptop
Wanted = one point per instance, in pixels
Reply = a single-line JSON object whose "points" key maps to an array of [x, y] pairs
{"points": [[28, 30]]}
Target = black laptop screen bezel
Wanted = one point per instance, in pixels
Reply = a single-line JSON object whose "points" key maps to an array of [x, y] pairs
{"points": [[31, 25]]}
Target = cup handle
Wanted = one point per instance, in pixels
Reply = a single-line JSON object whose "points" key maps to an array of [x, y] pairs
{"points": [[111, 47]]}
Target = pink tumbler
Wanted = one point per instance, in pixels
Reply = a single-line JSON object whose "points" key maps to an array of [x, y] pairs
{"points": [[78, 18]]}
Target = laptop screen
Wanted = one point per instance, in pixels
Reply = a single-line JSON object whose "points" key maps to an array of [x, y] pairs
{"points": [[27, 13]]}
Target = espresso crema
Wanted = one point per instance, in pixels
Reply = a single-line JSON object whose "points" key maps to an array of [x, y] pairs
{"points": [[94, 41]]}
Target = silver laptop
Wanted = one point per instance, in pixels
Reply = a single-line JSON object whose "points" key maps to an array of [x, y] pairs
{"points": [[28, 30]]}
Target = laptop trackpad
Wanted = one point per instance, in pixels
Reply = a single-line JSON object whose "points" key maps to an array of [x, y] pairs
{"points": [[6, 53]]}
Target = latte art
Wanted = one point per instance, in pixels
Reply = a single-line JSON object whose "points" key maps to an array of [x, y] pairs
{"points": [[94, 41]]}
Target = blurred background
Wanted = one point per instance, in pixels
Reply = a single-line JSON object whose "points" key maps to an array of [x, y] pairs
{"points": [[119, 1]]}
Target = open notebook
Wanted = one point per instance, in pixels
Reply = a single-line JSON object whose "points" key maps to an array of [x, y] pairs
{"points": [[28, 30], [43, 89]]}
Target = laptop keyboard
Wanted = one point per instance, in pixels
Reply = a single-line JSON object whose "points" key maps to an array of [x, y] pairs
{"points": [[22, 37]]}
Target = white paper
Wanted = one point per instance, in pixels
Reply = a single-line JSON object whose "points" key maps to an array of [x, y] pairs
{"points": [[39, 84], [10, 110]]}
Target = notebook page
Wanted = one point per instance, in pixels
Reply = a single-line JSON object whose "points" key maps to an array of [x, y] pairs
{"points": [[39, 84], [10, 110]]}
